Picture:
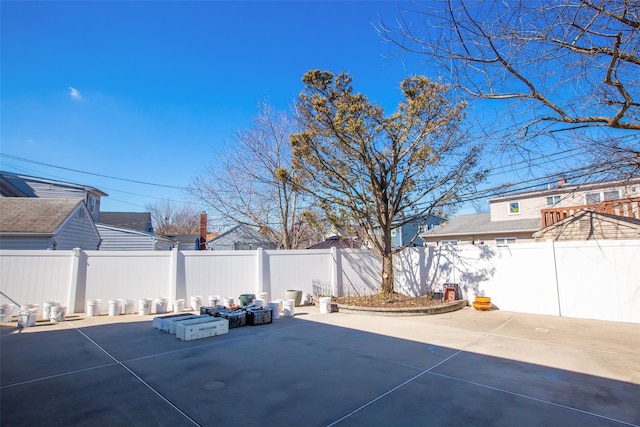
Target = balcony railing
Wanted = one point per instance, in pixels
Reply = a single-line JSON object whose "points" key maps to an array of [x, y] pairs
{"points": [[629, 207]]}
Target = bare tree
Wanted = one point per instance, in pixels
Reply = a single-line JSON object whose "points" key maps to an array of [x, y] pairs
{"points": [[172, 218], [251, 183], [384, 171], [557, 66]]}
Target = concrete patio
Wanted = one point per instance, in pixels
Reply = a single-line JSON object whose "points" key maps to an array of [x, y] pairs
{"points": [[467, 367]]}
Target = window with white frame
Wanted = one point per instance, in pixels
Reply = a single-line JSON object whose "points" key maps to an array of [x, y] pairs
{"points": [[612, 195], [502, 241], [553, 200], [514, 208], [592, 198], [393, 232]]}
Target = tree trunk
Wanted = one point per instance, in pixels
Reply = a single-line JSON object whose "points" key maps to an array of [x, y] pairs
{"points": [[387, 274]]}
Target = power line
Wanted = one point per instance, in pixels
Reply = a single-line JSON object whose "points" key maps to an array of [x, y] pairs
{"points": [[90, 173]]}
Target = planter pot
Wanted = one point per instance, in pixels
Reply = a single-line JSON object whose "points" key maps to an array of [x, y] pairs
{"points": [[481, 306], [294, 295], [246, 299]]}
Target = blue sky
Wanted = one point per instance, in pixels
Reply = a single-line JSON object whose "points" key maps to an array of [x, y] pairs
{"points": [[148, 91]]}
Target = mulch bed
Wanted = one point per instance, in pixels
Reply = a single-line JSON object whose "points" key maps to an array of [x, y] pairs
{"points": [[388, 301]]}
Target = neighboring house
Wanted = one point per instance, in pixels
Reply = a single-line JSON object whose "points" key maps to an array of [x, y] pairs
{"points": [[590, 225], [339, 242], [514, 218], [241, 237], [19, 185], [43, 223], [478, 229], [124, 239], [401, 234], [139, 221]]}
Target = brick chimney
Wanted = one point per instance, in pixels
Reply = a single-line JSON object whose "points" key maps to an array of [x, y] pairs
{"points": [[562, 181], [203, 231]]}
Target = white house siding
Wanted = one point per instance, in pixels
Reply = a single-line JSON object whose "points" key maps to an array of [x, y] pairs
{"points": [[532, 203], [124, 240], [78, 232]]}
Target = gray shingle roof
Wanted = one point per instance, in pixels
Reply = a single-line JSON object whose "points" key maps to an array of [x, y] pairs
{"points": [[139, 221], [34, 215], [482, 224]]}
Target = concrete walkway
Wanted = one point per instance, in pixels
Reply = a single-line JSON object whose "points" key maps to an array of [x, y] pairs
{"points": [[462, 368]]}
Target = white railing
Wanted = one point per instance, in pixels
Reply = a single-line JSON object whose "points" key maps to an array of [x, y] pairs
{"points": [[593, 279]]}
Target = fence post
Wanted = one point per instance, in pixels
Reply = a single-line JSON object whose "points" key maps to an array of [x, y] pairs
{"points": [[78, 282], [259, 270], [177, 285], [336, 272]]}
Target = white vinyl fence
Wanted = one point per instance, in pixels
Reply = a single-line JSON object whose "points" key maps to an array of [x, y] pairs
{"points": [[594, 279]]}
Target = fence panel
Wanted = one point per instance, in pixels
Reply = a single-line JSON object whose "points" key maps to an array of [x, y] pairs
{"points": [[128, 275], [360, 271], [600, 279], [33, 277], [224, 273], [297, 269]]}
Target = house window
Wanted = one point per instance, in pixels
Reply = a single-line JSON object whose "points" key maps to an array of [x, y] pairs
{"points": [[592, 198], [553, 200], [393, 232], [514, 208], [92, 204], [448, 242], [503, 241], [612, 195]]}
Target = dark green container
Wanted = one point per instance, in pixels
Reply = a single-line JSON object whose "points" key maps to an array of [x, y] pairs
{"points": [[246, 299]]}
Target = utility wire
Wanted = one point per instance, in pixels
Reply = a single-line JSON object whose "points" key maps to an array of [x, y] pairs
{"points": [[90, 173]]}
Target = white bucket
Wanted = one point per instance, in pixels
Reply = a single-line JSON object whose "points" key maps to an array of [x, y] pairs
{"points": [[6, 312], [274, 306], [176, 306], [144, 307], [56, 314], [98, 307], [306, 299], [289, 308], [212, 300], [259, 302], [91, 308], [196, 302], [325, 305], [120, 308], [128, 306], [63, 313], [113, 307], [46, 309], [161, 305], [228, 301], [27, 316], [263, 296]]}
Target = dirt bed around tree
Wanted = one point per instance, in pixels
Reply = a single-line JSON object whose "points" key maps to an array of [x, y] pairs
{"points": [[396, 300]]}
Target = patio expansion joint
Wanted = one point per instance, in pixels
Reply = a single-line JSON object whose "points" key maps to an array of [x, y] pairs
{"points": [[136, 376], [430, 371], [426, 371]]}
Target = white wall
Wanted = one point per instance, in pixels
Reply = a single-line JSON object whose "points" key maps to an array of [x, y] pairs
{"points": [[594, 279]]}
